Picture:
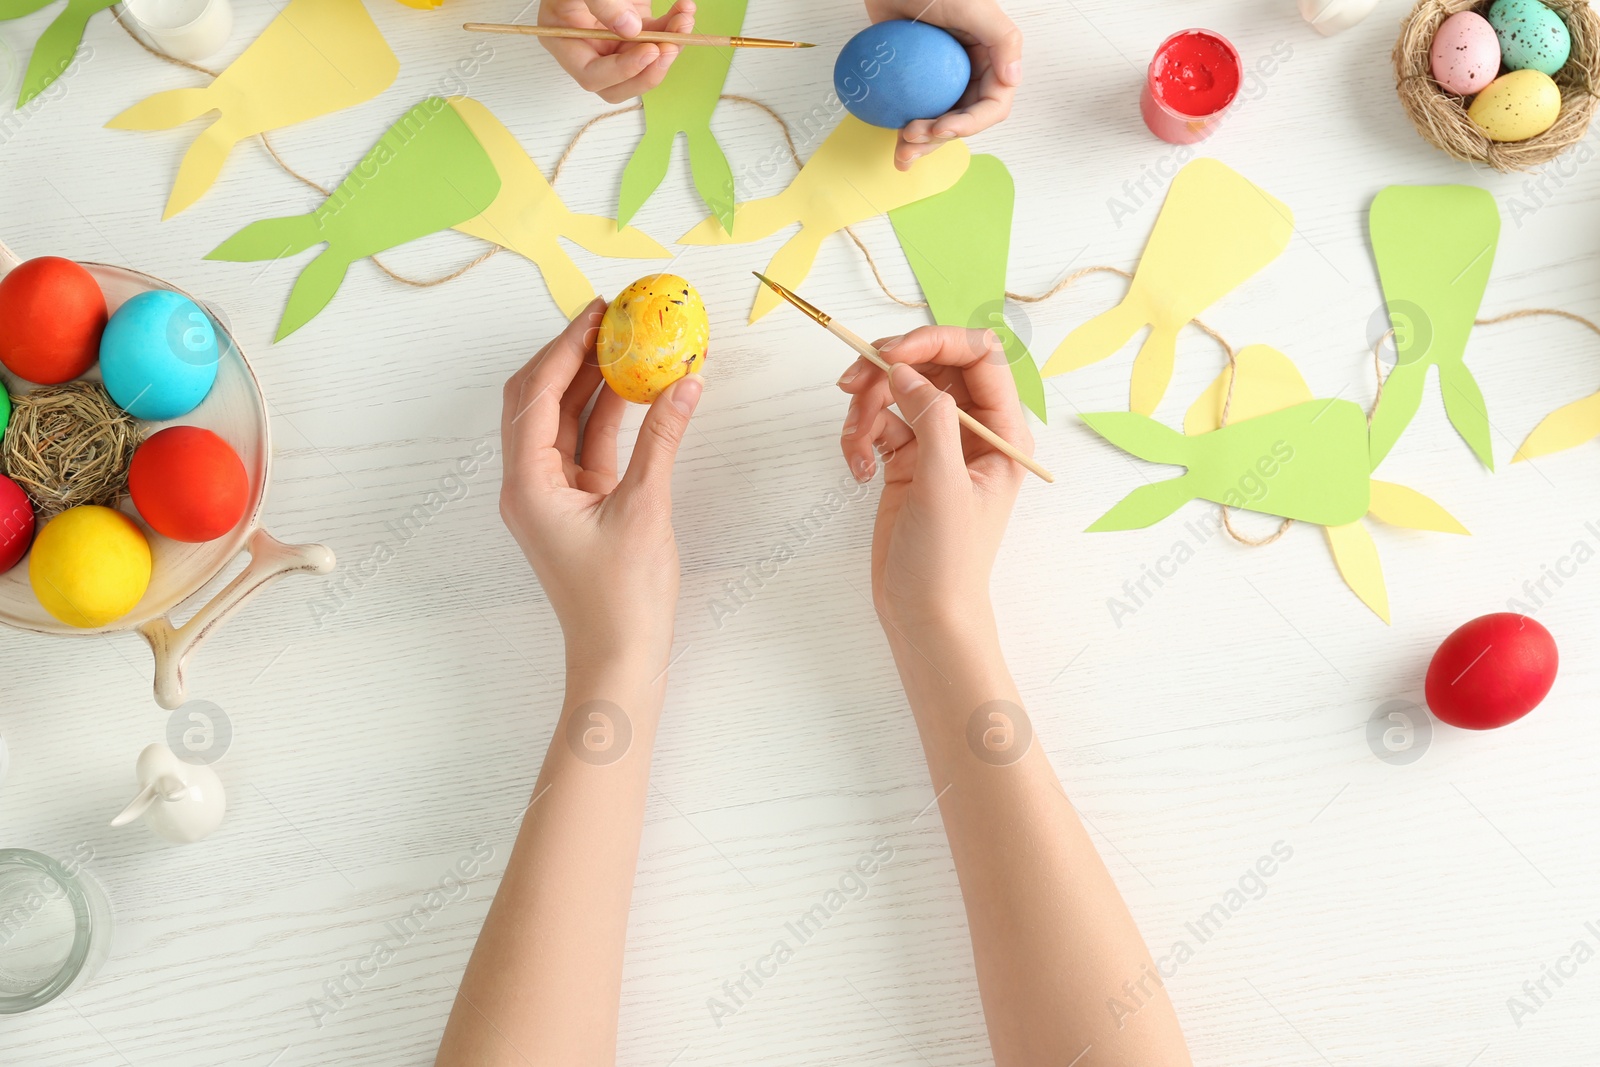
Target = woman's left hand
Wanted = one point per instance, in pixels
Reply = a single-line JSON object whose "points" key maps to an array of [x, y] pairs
{"points": [[994, 44], [602, 545]]}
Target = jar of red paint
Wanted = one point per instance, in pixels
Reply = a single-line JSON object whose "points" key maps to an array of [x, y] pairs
{"points": [[1193, 80]]}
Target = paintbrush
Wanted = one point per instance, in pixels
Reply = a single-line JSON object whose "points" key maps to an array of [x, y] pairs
{"points": [[652, 36], [876, 359]]}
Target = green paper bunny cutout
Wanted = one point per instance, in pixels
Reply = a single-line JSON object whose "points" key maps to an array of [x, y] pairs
{"points": [[427, 173], [683, 103], [1435, 246], [1282, 453], [57, 46], [958, 242]]}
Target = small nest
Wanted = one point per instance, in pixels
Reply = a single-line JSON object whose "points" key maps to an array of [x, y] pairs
{"points": [[1441, 117], [69, 445]]}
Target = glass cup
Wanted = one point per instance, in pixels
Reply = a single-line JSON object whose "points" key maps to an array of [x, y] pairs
{"points": [[184, 29], [55, 929]]}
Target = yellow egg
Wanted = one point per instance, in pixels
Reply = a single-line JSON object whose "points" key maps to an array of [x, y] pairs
{"points": [[654, 333], [90, 565], [1516, 106]]}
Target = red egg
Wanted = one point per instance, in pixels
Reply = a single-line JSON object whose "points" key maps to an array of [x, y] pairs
{"points": [[1491, 672], [52, 314], [16, 523], [188, 484]]}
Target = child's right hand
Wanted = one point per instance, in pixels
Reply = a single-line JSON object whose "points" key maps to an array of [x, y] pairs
{"points": [[947, 494], [602, 546], [615, 70]]}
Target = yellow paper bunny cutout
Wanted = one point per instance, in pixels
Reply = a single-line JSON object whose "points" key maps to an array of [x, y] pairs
{"points": [[850, 178], [315, 58], [528, 216]]}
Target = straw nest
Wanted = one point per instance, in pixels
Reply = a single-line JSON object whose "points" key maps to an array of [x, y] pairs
{"points": [[1441, 117], [69, 445]]}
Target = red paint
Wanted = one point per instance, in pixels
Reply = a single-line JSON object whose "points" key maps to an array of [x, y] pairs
{"points": [[16, 523], [52, 314], [188, 484], [1194, 78], [1492, 671]]}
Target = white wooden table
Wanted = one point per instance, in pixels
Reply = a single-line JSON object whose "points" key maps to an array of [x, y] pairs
{"points": [[1227, 714]]}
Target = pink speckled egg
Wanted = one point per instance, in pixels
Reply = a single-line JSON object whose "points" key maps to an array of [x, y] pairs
{"points": [[1466, 53]]}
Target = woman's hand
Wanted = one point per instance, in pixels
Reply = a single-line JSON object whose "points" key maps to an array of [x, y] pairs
{"points": [[616, 70], [995, 46], [601, 545], [947, 494]]}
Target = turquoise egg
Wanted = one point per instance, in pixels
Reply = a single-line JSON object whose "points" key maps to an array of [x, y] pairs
{"points": [[158, 356], [1532, 37], [896, 71]]}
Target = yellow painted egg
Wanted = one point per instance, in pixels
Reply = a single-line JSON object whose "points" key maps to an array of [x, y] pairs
{"points": [[90, 566], [652, 334], [1516, 106]]}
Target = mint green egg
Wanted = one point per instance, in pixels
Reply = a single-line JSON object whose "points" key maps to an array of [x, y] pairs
{"points": [[5, 409], [1532, 37]]}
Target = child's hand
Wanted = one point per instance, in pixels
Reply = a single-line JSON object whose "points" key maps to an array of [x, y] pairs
{"points": [[995, 45], [616, 70], [602, 547], [946, 494]]}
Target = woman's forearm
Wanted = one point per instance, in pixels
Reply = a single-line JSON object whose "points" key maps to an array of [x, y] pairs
{"points": [[544, 981], [1052, 940]]}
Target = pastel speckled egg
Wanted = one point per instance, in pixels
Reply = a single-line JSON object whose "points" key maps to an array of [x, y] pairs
{"points": [[1466, 53], [90, 566], [159, 355], [894, 72], [1532, 37], [1517, 106], [652, 334]]}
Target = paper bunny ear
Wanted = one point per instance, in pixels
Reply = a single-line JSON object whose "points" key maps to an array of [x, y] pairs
{"points": [[315, 58], [1567, 427], [1214, 232], [57, 47], [427, 173], [683, 103], [528, 216], [850, 178], [1435, 248], [958, 243]]}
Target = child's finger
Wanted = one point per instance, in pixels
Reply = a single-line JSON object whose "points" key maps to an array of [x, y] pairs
{"points": [[617, 15], [602, 73], [650, 468], [647, 78]]}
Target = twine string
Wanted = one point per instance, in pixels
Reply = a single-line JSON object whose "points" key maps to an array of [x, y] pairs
{"points": [[872, 263]]}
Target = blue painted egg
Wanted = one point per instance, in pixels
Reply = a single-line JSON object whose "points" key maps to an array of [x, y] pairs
{"points": [[159, 356], [1532, 37], [894, 72]]}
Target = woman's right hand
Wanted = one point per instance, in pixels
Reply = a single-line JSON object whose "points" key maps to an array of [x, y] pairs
{"points": [[947, 494], [615, 70]]}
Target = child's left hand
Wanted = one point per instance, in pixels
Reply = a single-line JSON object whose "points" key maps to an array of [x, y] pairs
{"points": [[994, 44], [601, 545]]}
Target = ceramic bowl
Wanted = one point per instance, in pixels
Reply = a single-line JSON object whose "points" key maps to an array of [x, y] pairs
{"points": [[237, 412]]}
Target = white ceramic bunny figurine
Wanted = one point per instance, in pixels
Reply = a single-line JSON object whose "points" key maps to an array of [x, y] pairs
{"points": [[182, 802], [1329, 17]]}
